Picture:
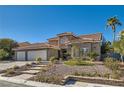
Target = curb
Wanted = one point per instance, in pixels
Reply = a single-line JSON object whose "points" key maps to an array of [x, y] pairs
{"points": [[28, 82], [111, 82]]}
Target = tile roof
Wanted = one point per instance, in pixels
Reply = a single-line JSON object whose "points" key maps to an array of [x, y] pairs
{"points": [[35, 46], [80, 39], [91, 37], [54, 38], [23, 44], [87, 38], [65, 33]]}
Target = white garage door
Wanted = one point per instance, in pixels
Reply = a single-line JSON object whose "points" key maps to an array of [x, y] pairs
{"points": [[21, 55], [32, 55]]}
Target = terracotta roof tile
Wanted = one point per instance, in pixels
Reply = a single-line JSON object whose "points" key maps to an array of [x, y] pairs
{"points": [[35, 46], [65, 33], [54, 38], [23, 44], [80, 39], [91, 37]]}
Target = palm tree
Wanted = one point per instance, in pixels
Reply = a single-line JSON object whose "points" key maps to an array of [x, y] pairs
{"points": [[113, 22]]}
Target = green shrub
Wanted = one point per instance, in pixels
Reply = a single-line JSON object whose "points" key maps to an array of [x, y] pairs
{"points": [[85, 63], [107, 75], [83, 74], [96, 74], [77, 74], [111, 64], [116, 74], [44, 69], [70, 62], [39, 59], [3, 54], [89, 74], [27, 64], [86, 58], [16, 67], [78, 61], [56, 79], [92, 55], [53, 60], [10, 71]]}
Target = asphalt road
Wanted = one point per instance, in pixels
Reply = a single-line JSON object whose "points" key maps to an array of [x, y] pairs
{"points": [[9, 84]]}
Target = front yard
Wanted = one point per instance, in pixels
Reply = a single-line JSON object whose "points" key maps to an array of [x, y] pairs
{"points": [[55, 73]]}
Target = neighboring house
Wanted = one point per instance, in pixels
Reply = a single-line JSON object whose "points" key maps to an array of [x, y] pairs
{"points": [[60, 45]]}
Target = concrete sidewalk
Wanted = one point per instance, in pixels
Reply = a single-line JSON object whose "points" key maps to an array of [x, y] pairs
{"points": [[27, 82], [30, 83]]}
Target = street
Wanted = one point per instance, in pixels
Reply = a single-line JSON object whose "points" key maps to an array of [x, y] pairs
{"points": [[9, 84]]}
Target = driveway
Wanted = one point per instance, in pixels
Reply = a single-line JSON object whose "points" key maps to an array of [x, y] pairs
{"points": [[8, 64]]}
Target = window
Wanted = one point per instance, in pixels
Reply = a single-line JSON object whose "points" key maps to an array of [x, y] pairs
{"points": [[85, 50], [63, 40]]}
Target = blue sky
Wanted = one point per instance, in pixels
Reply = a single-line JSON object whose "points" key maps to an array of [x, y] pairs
{"points": [[38, 23]]}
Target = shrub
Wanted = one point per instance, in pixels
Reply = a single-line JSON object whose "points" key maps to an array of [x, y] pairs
{"points": [[77, 74], [86, 58], [96, 74], [85, 63], [107, 75], [83, 74], [27, 64], [92, 55], [3, 54], [78, 61], [16, 67], [56, 79], [90, 74], [53, 60], [10, 71], [116, 74], [39, 59], [111, 63], [44, 69]]}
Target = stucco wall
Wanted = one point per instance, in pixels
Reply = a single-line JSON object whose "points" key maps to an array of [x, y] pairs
{"points": [[93, 47], [90, 47], [52, 53]]}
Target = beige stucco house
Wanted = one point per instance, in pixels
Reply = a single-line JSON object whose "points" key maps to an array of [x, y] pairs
{"points": [[63, 43]]}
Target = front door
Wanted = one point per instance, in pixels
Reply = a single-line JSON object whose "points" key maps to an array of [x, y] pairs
{"points": [[63, 54]]}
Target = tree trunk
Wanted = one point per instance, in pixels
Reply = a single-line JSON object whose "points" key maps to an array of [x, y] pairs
{"points": [[113, 41], [113, 36], [122, 59]]}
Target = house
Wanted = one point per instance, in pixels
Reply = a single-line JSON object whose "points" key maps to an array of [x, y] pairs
{"points": [[61, 46]]}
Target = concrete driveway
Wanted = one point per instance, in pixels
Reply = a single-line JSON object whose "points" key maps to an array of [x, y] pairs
{"points": [[8, 64]]}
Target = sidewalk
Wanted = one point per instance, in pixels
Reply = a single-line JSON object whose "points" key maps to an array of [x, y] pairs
{"points": [[27, 82]]}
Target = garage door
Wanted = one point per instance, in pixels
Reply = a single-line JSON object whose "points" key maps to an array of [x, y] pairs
{"points": [[21, 55], [32, 55]]}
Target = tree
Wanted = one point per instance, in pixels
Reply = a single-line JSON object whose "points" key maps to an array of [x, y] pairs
{"points": [[7, 45], [113, 22], [106, 47], [3, 54], [119, 46]]}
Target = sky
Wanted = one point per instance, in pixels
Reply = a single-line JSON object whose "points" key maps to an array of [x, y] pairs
{"points": [[39, 23]]}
